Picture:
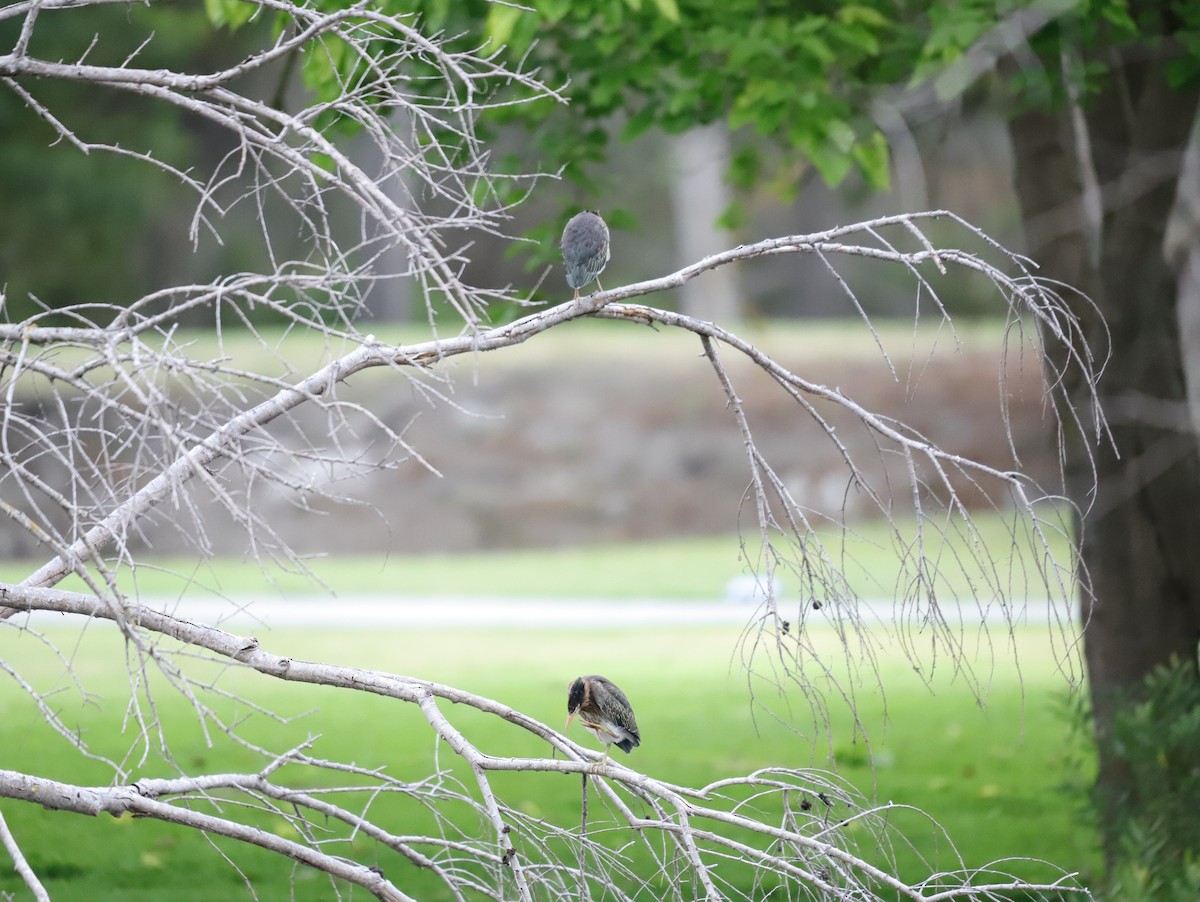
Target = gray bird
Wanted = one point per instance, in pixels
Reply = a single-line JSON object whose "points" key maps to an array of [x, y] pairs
{"points": [[605, 711], [585, 249]]}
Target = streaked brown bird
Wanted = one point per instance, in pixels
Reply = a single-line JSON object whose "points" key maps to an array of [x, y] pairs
{"points": [[604, 710], [585, 249]]}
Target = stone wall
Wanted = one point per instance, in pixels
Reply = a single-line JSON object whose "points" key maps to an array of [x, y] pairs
{"points": [[596, 438], [597, 434]]}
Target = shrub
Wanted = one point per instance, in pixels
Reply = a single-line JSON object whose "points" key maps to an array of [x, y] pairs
{"points": [[1154, 825]]}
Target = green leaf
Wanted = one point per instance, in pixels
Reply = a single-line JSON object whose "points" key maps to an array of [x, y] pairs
{"points": [[952, 81], [324, 161], [857, 14], [745, 168], [436, 13], [318, 70], [501, 21], [733, 217], [1116, 13], [553, 10], [668, 9], [874, 159], [1183, 71], [818, 49], [639, 122], [840, 134], [232, 13], [831, 161]]}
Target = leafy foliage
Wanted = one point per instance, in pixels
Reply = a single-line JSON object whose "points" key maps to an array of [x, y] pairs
{"points": [[1151, 870], [795, 77], [801, 84], [1156, 734], [803, 78]]}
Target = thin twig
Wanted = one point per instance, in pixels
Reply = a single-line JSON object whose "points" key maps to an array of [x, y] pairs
{"points": [[19, 862]]}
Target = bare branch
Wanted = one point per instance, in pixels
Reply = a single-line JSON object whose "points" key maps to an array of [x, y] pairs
{"points": [[19, 862]]}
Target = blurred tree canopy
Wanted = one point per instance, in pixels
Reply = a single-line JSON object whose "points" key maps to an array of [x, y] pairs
{"points": [[809, 77]]}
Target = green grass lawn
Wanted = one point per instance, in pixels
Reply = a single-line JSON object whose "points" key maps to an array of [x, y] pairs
{"points": [[876, 562], [278, 351], [992, 776]]}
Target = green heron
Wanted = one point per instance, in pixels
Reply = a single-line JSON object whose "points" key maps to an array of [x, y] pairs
{"points": [[585, 250], [605, 711]]}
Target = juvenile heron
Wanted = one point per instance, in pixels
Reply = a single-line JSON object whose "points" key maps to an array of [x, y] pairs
{"points": [[585, 250], [604, 710]]}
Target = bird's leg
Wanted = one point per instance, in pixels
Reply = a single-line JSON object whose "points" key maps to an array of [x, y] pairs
{"points": [[599, 287], [596, 766], [576, 295]]}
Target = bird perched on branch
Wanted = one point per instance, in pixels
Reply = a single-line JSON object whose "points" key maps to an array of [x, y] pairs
{"points": [[585, 249], [604, 710]]}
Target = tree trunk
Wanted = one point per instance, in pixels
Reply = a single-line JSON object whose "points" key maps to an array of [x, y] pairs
{"points": [[700, 195], [1183, 250], [1140, 542]]}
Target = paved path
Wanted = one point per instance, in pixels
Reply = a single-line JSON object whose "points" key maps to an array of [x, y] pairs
{"points": [[458, 612]]}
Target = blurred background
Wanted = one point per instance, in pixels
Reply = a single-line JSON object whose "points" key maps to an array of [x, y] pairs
{"points": [[594, 433]]}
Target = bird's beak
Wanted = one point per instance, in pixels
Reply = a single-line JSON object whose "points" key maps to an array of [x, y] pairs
{"points": [[570, 717]]}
